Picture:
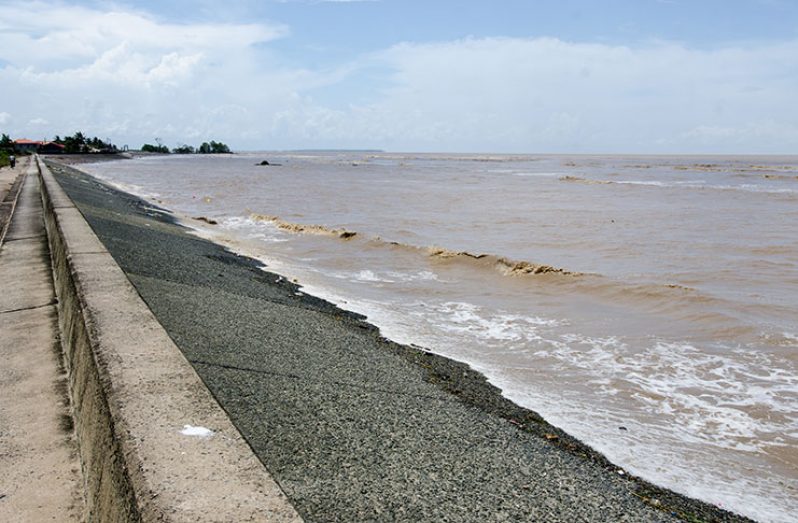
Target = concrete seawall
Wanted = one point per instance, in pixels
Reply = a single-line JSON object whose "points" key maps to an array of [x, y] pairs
{"points": [[154, 444]]}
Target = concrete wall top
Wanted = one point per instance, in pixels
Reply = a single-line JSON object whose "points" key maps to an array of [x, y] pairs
{"points": [[185, 459]]}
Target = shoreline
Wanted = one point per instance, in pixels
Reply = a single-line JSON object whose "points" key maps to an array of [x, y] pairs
{"points": [[455, 380]]}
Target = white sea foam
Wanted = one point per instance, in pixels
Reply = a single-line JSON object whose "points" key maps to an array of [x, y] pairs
{"points": [[255, 229], [711, 395], [471, 320], [369, 276], [527, 174], [642, 182], [133, 189]]}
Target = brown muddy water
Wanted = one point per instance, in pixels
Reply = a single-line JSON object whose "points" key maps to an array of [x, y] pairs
{"points": [[647, 305]]}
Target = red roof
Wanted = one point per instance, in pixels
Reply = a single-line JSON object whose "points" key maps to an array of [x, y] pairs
{"points": [[25, 141]]}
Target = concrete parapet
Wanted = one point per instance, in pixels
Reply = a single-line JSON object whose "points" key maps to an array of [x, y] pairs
{"points": [[154, 444]]}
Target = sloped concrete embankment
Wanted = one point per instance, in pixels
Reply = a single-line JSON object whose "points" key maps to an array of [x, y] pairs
{"points": [[140, 409]]}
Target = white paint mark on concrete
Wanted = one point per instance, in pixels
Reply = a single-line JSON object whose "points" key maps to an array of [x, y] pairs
{"points": [[199, 432]]}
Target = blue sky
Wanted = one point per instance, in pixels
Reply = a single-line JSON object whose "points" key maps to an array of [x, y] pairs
{"points": [[573, 76]]}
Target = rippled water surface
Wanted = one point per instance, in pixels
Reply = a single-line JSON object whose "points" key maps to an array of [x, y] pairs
{"points": [[648, 305]]}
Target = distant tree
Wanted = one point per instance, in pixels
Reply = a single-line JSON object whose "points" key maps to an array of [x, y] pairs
{"points": [[184, 149], [6, 149], [219, 147], [6, 143], [75, 143], [213, 147], [149, 148]]}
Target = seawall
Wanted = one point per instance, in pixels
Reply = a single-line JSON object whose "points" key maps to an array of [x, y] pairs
{"points": [[353, 426], [154, 443]]}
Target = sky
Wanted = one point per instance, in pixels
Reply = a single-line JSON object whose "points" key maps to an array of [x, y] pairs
{"points": [[514, 76]]}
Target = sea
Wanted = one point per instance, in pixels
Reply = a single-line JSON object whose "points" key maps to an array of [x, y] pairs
{"points": [[648, 305]]}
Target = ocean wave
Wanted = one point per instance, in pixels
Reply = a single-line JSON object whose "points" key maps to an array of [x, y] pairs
{"points": [[493, 328], [706, 167], [771, 176], [747, 398], [531, 174], [502, 264], [586, 181], [660, 298], [492, 158], [302, 228], [688, 184], [390, 277], [705, 311]]}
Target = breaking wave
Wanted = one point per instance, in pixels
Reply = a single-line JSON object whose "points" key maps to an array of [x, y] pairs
{"points": [[586, 181], [677, 300], [303, 229], [689, 184], [502, 264]]}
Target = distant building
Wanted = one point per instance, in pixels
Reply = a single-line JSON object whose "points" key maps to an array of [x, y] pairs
{"points": [[24, 145], [51, 148], [27, 146]]}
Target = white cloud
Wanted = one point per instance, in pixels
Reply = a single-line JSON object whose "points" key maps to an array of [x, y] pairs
{"points": [[51, 33], [4, 118], [124, 72], [126, 75], [545, 94], [123, 65], [550, 95]]}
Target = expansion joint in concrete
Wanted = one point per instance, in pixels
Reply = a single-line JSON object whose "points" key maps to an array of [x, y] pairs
{"points": [[37, 237], [32, 307]]}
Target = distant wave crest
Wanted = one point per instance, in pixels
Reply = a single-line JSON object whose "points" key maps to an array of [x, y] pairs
{"points": [[301, 228], [504, 265], [673, 299]]}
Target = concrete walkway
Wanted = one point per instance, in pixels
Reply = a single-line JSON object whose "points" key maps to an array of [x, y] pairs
{"points": [[9, 179], [39, 467]]}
